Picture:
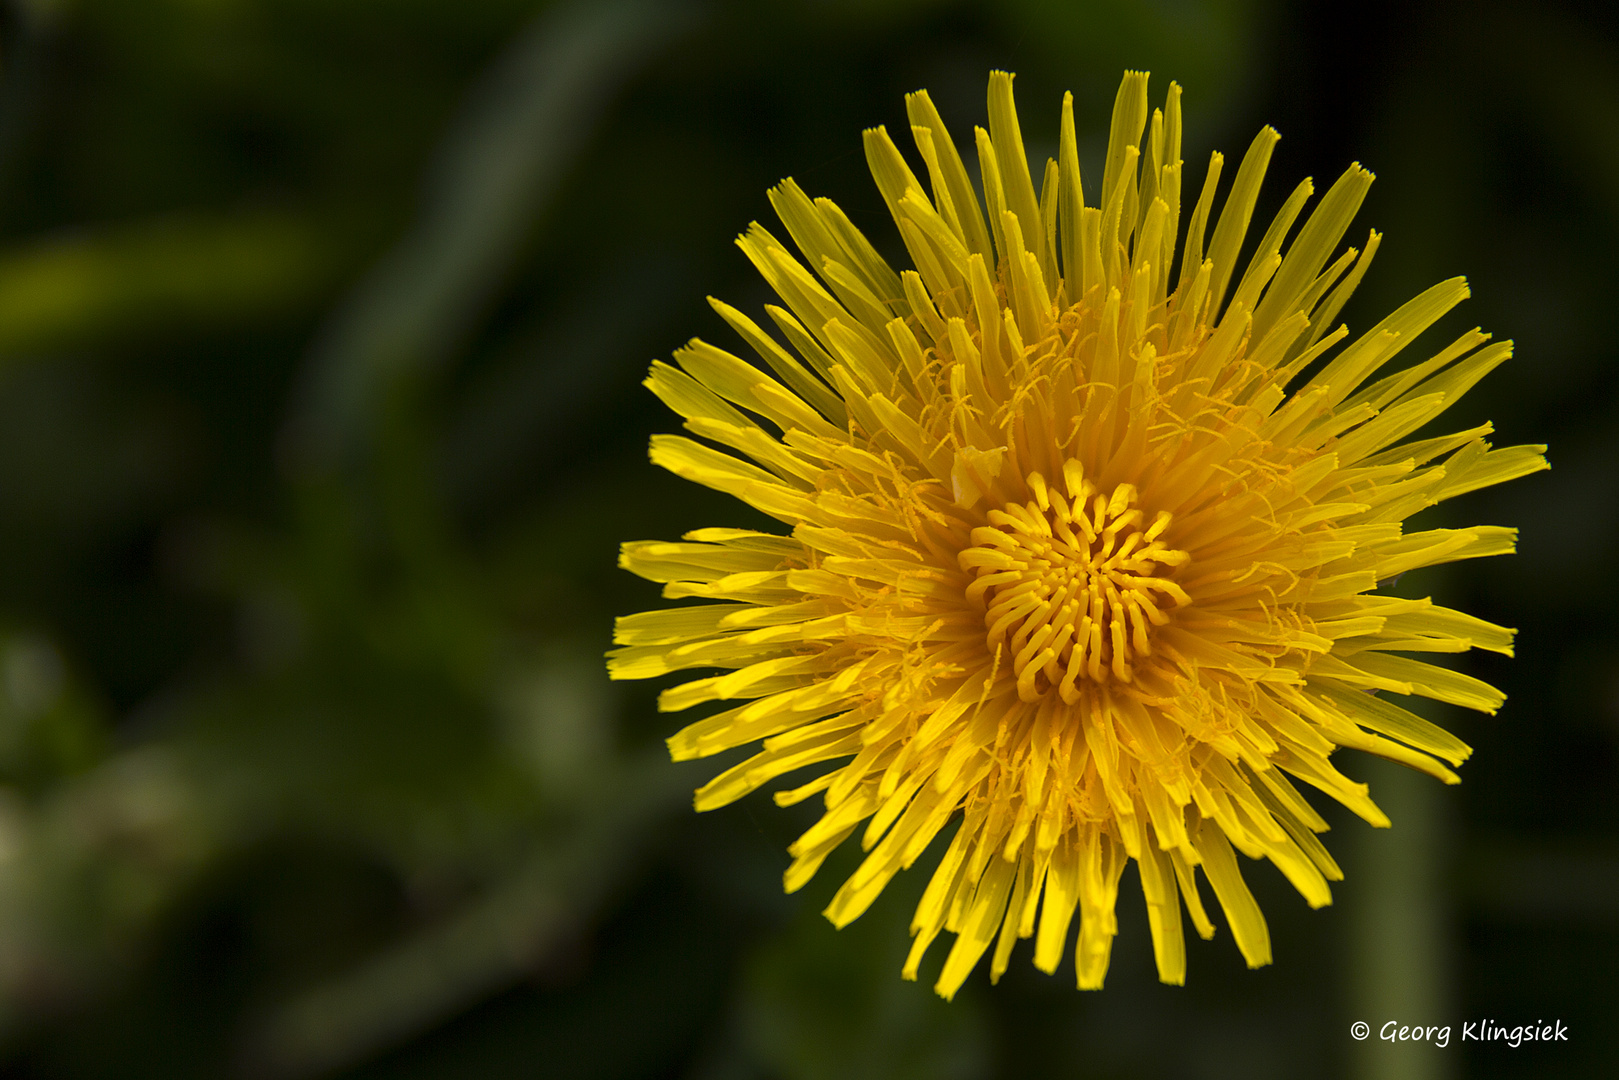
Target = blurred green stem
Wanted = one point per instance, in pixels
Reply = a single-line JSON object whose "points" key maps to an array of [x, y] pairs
{"points": [[1399, 967]]}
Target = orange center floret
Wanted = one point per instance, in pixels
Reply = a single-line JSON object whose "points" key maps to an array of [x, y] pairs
{"points": [[1072, 586]]}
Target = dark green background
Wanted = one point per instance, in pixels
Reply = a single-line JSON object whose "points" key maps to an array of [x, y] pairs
{"points": [[321, 330]]}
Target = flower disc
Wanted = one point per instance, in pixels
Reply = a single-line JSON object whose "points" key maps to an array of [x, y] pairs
{"points": [[1085, 538]]}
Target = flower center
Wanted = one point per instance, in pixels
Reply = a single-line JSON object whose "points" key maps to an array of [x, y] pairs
{"points": [[1072, 585]]}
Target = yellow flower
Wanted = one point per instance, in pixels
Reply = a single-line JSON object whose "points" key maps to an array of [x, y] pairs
{"points": [[1084, 547]]}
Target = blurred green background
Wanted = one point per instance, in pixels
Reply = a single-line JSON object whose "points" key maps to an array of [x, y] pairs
{"points": [[321, 330]]}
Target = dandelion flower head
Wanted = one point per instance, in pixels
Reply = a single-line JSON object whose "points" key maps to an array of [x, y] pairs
{"points": [[1085, 522]]}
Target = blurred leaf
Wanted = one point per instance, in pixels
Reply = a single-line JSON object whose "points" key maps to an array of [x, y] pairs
{"points": [[484, 945], [387, 706], [366, 786], [48, 727], [88, 869], [521, 132], [74, 291]]}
